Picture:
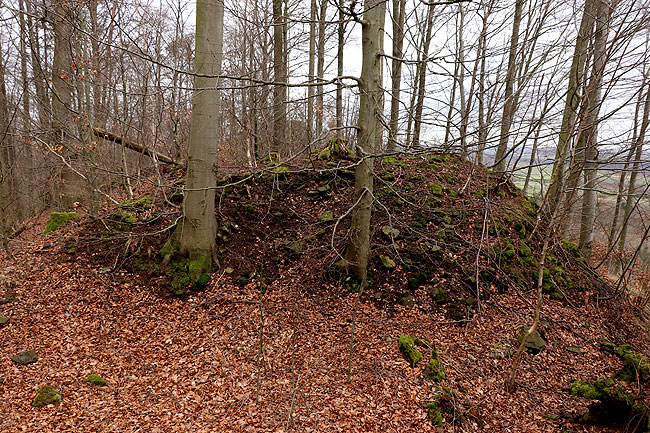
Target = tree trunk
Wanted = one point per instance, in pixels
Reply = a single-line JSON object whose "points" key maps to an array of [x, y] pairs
{"points": [[399, 17], [371, 107], [422, 77], [197, 231], [588, 215], [280, 77], [509, 106], [638, 154], [339, 68], [572, 104], [320, 66], [62, 110], [312, 68]]}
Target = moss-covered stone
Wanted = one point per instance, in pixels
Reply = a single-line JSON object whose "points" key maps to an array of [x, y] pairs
{"points": [[387, 262], [439, 295], [3, 321], [570, 247], [524, 250], [407, 300], [634, 366], [57, 220], [390, 232], [392, 160], [435, 369], [46, 395], [25, 358], [141, 204], [95, 379], [408, 349], [535, 343], [326, 216], [434, 413]]}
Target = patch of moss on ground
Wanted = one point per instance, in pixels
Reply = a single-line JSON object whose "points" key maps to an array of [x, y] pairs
{"points": [[95, 379], [57, 220], [408, 349]]}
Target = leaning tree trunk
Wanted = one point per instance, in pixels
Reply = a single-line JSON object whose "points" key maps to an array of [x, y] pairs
{"points": [[571, 105], [196, 233], [510, 105], [371, 107]]}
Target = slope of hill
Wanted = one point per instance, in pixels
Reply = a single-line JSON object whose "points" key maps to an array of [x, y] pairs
{"points": [[280, 339]]}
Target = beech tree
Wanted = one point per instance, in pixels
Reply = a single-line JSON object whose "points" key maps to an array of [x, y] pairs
{"points": [[370, 131], [196, 232]]}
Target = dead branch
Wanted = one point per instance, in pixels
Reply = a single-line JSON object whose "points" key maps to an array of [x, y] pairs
{"points": [[107, 135]]}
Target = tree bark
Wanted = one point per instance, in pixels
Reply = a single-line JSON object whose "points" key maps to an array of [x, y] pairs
{"points": [[279, 76], [422, 77], [62, 111], [320, 66], [571, 105], [399, 17], [371, 107], [588, 215], [197, 232], [509, 106]]}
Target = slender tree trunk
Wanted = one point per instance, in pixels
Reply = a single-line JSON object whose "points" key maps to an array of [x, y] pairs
{"points": [[339, 69], [399, 17], [464, 108], [371, 107], [312, 68], [509, 106], [588, 215], [567, 128], [279, 76], [614, 230], [636, 167], [320, 66], [40, 81], [422, 77], [197, 232]]}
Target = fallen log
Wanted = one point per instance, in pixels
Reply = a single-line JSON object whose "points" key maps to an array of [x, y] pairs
{"points": [[107, 135]]}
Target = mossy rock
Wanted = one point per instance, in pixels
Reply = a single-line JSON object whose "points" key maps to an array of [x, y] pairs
{"points": [[535, 342], [435, 369], [407, 300], [634, 366], [326, 216], [456, 313], [524, 250], [387, 262], [57, 220], [3, 321], [296, 247], [25, 358], [416, 281], [487, 275], [614, 405], [408, 349], [141, 204], [46, 395], [434, 413], [387, 176], [439, 295], [570, 247], [390, 232], [95, 379]]}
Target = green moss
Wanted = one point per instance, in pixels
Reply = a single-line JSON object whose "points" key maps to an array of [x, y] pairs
{"points": [[434, 413], [248, 208], [435, 189], [95, 379], [387, 176], [435, 369], [439, 295], [634, 366], [141, 204], [392, 160], [45, 395], [57, 220], [570, 247], [409, 350], [524, 250]]}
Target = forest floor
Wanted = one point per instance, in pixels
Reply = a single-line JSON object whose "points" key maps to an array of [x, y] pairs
{"points": [[267, 347]]}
